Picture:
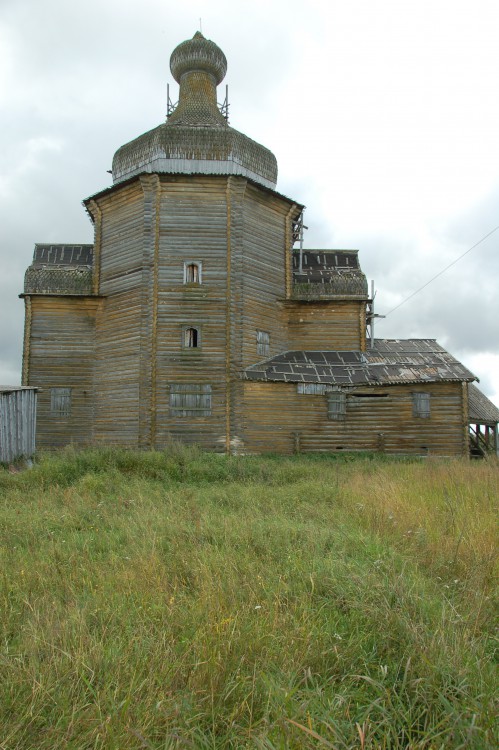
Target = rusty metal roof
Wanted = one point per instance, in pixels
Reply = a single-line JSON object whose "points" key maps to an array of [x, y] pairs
{"points": [[326, 274], [389, 362], [63, 255], [60, 269], [481, 409]]}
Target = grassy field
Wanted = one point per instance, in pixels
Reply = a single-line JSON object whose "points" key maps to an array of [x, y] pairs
{"points": [[187, 600]]}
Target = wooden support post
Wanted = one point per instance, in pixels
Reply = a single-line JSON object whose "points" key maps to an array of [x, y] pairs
{"points": [[296, 442]]}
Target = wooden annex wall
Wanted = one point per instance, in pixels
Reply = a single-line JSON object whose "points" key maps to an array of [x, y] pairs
{"points": [[377, 419], [333, 325], [61, 355]]}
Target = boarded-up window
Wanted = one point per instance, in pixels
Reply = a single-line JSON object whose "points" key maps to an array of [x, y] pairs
{"points": [[421, 405], [190, 337], [311, 388], [192, 273], [263, 343], [336, 405], [60, 402], [190, 400]]}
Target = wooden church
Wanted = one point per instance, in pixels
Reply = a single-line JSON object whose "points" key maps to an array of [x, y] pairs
{"points": [[197, 316]]}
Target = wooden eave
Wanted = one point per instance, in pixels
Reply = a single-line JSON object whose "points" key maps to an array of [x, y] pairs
{"points": [[108, 191]]}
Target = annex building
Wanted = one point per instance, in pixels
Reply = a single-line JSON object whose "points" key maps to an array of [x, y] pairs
{"points": [[197, 315]]}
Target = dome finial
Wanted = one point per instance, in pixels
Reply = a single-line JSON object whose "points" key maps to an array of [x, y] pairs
{"points": [[198, 54]]}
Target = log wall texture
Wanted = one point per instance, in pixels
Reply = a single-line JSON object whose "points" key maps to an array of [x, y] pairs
{"points": [[121, 230], [134, 381], [334, 325], [61, 355], [192, 228], [376, 419]]}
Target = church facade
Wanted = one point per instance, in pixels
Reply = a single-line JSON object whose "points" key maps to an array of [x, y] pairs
{"points": [[197, 316]]}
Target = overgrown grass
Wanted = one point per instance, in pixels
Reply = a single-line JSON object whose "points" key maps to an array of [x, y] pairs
{"points": [[181, 599]]}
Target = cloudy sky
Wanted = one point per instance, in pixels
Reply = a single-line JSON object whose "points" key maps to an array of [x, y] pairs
{"points": [[383, 115]]}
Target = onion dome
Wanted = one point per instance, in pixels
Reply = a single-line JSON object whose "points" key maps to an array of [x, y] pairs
{"points": [[196, 138]]}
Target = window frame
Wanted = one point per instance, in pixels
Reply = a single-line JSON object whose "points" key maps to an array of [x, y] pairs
{"points": [[336, 406], [262, 343], [65, 394], [185, 345], [183, 397], [187, 265], [421, 405]]}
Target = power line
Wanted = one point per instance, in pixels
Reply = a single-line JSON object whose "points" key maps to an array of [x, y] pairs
{"points": [[441, 272]]}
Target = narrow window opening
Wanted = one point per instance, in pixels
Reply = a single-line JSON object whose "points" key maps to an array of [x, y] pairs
{"points": [[192, 273], [421, 405], [191, 338], [263, 343], [370, 395], [60, 402], [336, 405]]}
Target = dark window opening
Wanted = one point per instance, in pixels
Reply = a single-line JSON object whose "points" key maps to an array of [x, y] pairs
{"points": [[191, 338], [192, 273], [370, 395]]}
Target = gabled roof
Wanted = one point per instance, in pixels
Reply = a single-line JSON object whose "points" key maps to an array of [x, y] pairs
{"points": [[481, 409], [389, 362]]}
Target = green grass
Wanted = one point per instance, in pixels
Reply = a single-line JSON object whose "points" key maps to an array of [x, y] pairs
{"points": [[187, 600]]}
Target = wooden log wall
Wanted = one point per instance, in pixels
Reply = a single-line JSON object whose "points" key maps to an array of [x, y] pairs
{"points": [[61, 355], [376, 419], [192, 228], [118, 328], [333, 325], [263, 283]]}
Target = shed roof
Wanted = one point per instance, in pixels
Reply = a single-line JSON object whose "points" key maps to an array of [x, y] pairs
{"points": [[12, 388], [481, 409], [389, 362]]}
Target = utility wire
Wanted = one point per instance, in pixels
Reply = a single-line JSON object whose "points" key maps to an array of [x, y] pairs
{"points": [[441, 272]]}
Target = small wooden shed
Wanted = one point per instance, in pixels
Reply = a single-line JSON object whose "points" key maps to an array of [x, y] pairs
{"points": [[17, 422]]}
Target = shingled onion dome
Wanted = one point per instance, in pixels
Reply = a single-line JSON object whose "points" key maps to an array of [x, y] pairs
{"points": [[196, 138]]}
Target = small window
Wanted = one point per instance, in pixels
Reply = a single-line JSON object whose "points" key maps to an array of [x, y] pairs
{"points": [[263, 343], [317, 389], [190, 400], [421, 405], [192, 273], [191, 338], [60, 402], [336, 405]]}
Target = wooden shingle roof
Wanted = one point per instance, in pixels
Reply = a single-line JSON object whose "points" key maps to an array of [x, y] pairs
{"points": [[481, 409], [390, 361]]}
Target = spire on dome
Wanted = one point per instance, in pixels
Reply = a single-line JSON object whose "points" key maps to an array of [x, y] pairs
{"points": [[198, 65], [196, 138]]}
